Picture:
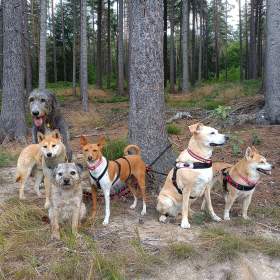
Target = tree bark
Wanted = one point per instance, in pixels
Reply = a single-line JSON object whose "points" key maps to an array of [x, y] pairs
{"points": [[74, 51], [12, 110], [147, 108], [193, 43], [272, 69], [1, 44], [240, 42], [120, 50], [185, 44], [165, 54], [54, 44], [63, 41], [99, 45], [43, 41], [172, 48], [253, 52], [83, 56], [247, 43], [200, 45], [216, 30], [109, 45]]}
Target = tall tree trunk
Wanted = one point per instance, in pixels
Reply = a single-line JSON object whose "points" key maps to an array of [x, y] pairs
{"points": [[54, 44], [74, 52], [272, 69], [63, 41], [1, 44], [43, 41], [99, 44], [27, 50], [216, 30], [172, 48], [109, 45], [12, 111], [147, 109], [93, 36], [206, 44], [83, 56], [185, 44], [226, 43], [200, 45], [193, 43], [253, 52], [165, 53], [240, 41], [246, 41], [120, 50]]}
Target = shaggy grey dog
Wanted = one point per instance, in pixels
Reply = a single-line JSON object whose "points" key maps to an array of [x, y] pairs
{"points": [[47, 116], [66, 198]]}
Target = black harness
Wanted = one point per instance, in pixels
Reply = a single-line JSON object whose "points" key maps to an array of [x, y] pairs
{"points": [[97, 180], [227, 179], [195, 165]]}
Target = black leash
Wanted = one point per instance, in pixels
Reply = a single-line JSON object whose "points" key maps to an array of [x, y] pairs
{"points": [[160, 155]]}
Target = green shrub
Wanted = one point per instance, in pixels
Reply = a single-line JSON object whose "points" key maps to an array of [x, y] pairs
{"points": [[172, 128], [114, 148]]}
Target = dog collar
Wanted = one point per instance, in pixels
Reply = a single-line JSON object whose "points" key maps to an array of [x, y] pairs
{"points": [[205, 160], [227, 179], [94, 166], [97, 179]]}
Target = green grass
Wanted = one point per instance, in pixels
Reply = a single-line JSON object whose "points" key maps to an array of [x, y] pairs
{"points": [[114, 148], [226, 246], [182, 250], [172, 128], [6, 159]]}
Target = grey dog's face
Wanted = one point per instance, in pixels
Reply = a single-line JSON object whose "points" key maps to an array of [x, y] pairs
{"points": [[41, 104], [67, 175]]}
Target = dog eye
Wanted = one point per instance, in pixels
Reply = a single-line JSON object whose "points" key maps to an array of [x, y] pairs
{"points": [[43, 100], [72, 172], [31, 99], [53, 145], [60, 174], [212, 133], [45, 147]]}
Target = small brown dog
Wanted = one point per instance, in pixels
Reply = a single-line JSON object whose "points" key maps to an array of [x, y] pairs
{"points": [[104, 174]]}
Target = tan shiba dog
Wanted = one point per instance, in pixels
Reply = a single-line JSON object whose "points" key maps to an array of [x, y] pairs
{"points": [[189, 179], [239, 180], [30, 159], [53, 152], [40, 159], [104, 173], [66, 198]]}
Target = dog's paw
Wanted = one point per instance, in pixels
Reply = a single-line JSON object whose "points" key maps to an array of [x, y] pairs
{"points": [[162, 219], [22, 197], [132, 206], [226, 218], [47, 204], [55, 236], [143, 212], [105, 222], [185, 224], [245, 217], [216, 218]]}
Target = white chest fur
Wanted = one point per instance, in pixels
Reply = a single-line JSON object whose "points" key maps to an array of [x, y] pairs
{"points": [[205, 176]]}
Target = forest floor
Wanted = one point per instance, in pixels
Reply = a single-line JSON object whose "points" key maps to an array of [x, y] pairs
{"points": [[135, 247]]}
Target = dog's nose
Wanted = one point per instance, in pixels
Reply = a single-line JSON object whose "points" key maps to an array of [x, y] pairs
{"points": [[35, 113], [49, 154], [66, 181], [90, 158]]}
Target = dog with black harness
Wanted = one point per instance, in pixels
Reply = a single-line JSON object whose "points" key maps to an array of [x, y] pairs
{"points": [[104, 173], [190, 176], [46, 116]]}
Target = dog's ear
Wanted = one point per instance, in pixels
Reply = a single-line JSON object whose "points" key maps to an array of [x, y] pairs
{"points": [[195, 127], [83, 140], [249, 153], [80, 168], [101, 142], [40, 136], [56, 134]]}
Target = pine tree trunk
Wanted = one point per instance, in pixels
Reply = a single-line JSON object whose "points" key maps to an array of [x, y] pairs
{"points": [[109, 45], [185, 44], [83, 56], [43, 41], [120, 50], [200, 47], [240, 42], [216, 28], [74, 51], [99, 45], [147, 108], [226, 42], [206, 44], [247, 43], [63, 41], [165, 54], [272, 69], [54, 44], [172, 48], [1, 45], [12, 110], [253, 52]]}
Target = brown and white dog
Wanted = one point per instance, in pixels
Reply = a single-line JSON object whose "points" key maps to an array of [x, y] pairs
{"points": [[104, 173], [193, 173], [240, 180]]}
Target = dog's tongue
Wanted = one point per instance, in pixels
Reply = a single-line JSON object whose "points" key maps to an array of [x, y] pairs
{"points": [[38, 121]]}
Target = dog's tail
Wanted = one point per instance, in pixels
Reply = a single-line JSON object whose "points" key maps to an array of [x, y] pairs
{"points": [[135, 148]]}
